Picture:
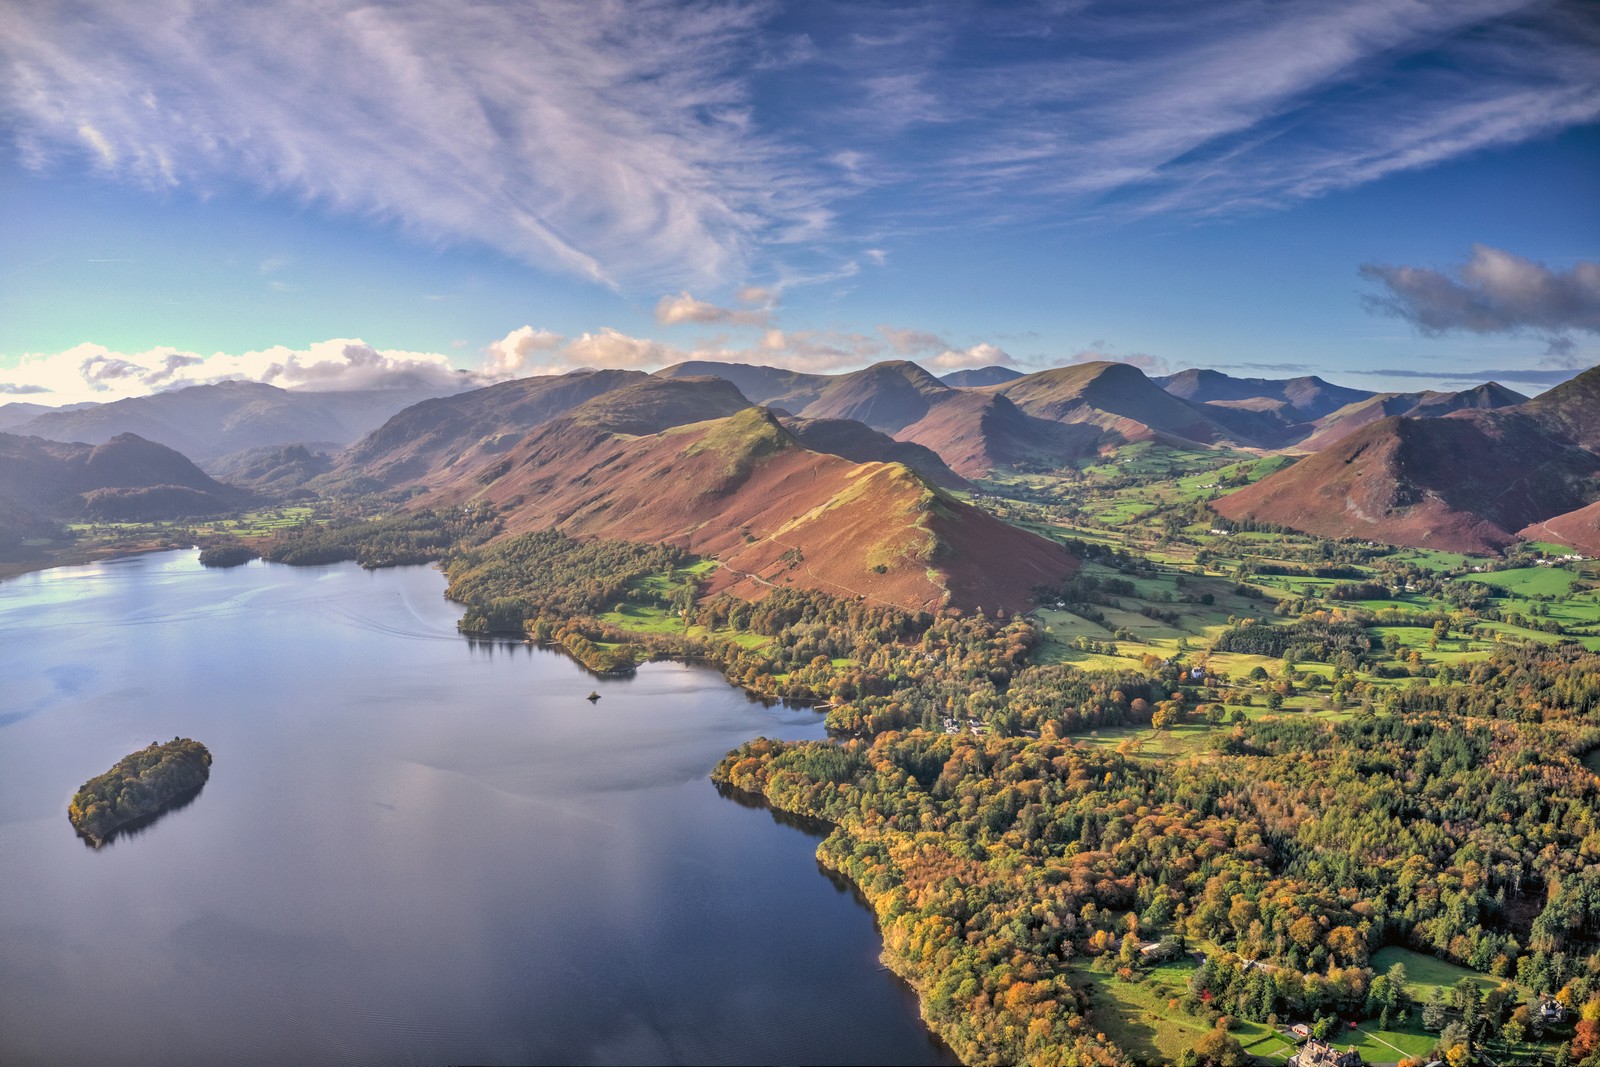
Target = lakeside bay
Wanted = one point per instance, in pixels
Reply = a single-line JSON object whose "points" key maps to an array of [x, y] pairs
{"points": [[413, 847]]}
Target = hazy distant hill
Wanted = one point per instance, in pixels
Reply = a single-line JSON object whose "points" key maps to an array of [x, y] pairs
{"points": [[274, 469], [862, 444], [205, 422], [124, 479], [19, 412], [744, 490], [1306, 398], [886, 396], [1429, 404], [978, 433], [1469, 481], [773, 386]]}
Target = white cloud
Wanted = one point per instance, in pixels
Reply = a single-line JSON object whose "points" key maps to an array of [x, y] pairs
{"points": [[508, 356], [979, 355], [607, 348], [672, 310], [96, 373], [758, 295]]}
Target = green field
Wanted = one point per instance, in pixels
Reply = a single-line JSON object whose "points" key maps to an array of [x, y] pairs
{"points": [[1527, 581], [1140, 1018], [1427, 973]]}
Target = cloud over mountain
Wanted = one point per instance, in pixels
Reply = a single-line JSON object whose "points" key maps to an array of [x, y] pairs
{"points": [[94, 372]]}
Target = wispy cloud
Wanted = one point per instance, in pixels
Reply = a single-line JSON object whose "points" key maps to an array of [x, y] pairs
{"points": [[1522, 375], [689, 144], [615, 140], [1163, 106]]}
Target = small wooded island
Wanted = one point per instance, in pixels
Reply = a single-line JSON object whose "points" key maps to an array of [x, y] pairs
{"points": [[139, 787]]}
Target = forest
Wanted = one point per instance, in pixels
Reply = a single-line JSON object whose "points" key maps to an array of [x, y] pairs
{"points": [[139, 786]]}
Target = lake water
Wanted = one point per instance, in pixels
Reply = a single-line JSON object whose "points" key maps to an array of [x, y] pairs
{"points": [[412, 849]]}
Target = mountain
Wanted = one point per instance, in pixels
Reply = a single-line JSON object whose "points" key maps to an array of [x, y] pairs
{"points": [[1578, 529], [210, 421], [1306, 398], [1117, 398], [275, 469], [772, 511], [769, 386], [1428, 404], [977, 432], [886, 396], [124, 479], [1466, 482], [18, 412], [980, 376], [860, 443], [1572, 408], [444, 431]]}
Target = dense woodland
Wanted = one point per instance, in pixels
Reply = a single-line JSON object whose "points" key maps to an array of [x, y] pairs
{"points": [[139, 786]]}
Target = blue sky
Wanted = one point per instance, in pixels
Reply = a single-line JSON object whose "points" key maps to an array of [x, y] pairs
{"points": [[1391, 193]]}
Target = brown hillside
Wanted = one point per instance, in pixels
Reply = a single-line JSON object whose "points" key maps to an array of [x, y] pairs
{"points": [[979, 432], [1571, 409], [1578, 529], [1463, 483], [886, 396], [860, 443], [742, 489], [1428, 404], [464, 429]]}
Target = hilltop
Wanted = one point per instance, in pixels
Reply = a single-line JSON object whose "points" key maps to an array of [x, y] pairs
{"points": [[465, 429], [1304, 399], [773, 512], [125, 479], [1428, 404], [207, 422]]}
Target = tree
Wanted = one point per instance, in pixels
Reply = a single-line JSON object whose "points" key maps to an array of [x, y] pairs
{"points": [[1220, 1049], [1585, 1039], [1397, 985], [1433, 1011]]}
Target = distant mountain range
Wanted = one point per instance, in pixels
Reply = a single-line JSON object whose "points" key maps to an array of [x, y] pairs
{"points": [[207, 422], [835, 481]]}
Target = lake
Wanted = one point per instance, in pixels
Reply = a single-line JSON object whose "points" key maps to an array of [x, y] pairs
{"points": [[413, 848]]}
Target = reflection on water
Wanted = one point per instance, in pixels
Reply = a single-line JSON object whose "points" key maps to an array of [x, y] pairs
{"points": [[412, 848], [135, 827]]}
